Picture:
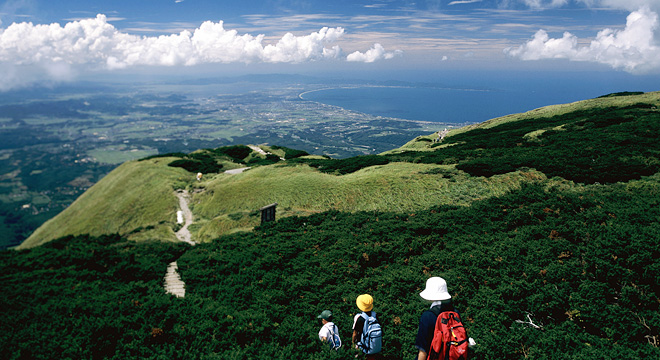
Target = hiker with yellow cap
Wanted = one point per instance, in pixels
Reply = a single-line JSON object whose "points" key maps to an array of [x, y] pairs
{"points": [[367, 332]]}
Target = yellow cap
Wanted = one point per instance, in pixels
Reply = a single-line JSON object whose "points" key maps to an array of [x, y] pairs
{"points": [[365, 302]]}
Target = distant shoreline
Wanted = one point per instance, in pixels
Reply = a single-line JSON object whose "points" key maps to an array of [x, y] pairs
{"points": [[352, 87], [300, 95]]}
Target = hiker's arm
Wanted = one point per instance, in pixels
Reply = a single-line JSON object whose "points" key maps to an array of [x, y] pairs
{"points": [[425, 334], [357, 329]]}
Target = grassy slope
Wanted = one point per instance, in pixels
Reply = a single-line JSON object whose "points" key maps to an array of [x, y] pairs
{"points": [[301, 190], [229, 203], [136, 194], [546, 111]]}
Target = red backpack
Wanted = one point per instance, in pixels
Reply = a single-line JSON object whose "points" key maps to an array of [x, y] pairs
{"points": [[450, 341]]}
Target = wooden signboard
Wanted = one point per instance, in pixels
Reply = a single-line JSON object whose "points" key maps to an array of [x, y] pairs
{"points": [[268, 213]]}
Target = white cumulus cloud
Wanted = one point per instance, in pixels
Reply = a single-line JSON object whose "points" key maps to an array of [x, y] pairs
{"points": [[629, 5], [95, 43], [545, 4], [377, 52], [633, 49]]}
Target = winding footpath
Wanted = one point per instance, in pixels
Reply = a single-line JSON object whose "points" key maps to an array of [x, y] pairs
{"points": [[184, 234], [173, 283]]}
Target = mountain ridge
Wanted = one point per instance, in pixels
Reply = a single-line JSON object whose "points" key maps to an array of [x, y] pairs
{"points": [[138, 199]]}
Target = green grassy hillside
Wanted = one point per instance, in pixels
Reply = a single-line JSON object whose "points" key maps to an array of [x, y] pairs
{"points": [[603, 140], [135, 196], [230, 201], [138, 199], [607, 101]]}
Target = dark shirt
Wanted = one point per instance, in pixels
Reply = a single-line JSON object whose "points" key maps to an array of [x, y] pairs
{"points": [[427, 325], [359, 326]]}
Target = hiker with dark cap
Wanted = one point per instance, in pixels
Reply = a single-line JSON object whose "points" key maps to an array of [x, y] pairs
{"points": [[367, 333], [329, 333], [440, 306]]}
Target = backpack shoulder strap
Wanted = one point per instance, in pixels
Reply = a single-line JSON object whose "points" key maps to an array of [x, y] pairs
{"points": [[435, 310], [336, 342], [335, 331], [366, 323]]}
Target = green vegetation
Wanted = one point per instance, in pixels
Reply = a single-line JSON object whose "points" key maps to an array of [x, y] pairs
{"points": [[302, 190], [119, 154], [589, 142], [237, 153], [569, 257], [548, 218], [288, 153], [85, 298], [589, 145], [623, 93], [137, 194], [344, 166], [203, 162], [578, 261]]}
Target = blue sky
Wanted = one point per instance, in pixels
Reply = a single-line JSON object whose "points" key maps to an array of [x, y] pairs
{"points": [[46, 41]]}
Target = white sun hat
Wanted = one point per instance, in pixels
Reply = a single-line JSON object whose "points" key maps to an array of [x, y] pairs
{"points": [[436, 289]]}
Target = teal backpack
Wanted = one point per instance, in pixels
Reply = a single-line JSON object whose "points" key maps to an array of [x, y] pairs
{"points": [[372, 334]]}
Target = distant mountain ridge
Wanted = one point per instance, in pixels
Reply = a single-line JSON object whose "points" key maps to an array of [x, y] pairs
{"points": [[606, 140]]}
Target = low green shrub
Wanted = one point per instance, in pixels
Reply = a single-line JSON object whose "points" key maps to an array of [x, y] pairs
{"points": [[237, 153], [344, 166], [290, 153], [270, 159], [196, 166], [604, 145], [174, 154], [574, 262]]}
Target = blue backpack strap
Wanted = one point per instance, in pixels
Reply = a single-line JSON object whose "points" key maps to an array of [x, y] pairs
{"points": [[365, 317], [335, 334], [366, 320]]}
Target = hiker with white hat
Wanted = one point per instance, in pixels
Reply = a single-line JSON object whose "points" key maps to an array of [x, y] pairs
{"points": [[440, 302]]}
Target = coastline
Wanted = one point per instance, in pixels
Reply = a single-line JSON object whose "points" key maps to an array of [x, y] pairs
{"points": [[427, 122], [301, 96]]}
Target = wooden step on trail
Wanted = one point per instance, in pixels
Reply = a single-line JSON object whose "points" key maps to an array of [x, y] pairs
{"points": [[173, 283]]}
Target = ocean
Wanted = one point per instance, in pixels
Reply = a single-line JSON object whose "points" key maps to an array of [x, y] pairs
{"points": [[479, 98]]}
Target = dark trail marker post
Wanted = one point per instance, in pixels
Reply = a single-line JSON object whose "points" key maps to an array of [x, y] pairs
{"points": [[268, 213]]}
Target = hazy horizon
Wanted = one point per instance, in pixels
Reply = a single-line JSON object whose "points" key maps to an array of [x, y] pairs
{"points": [[49, 43]]}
